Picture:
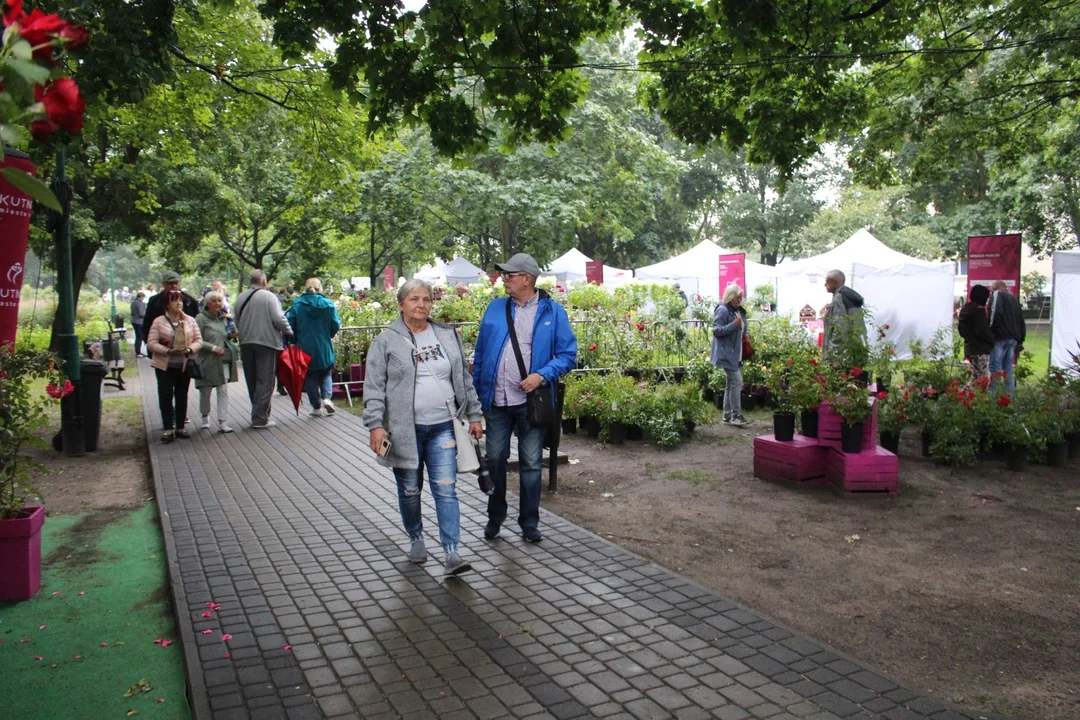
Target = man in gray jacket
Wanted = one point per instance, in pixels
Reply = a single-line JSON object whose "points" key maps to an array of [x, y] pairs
{"points": [[845, 324], [261, 323]]}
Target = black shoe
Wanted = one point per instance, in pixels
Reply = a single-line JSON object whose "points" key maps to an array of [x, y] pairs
{"points": [[532, 535], [491, 531]]}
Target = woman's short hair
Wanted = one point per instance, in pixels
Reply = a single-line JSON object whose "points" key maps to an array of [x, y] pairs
{"points": [[404, 291], [980, 294], [731, 292], [313, 284], [214, 295]]}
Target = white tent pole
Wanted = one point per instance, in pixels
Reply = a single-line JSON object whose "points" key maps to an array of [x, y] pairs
{"points": [[1053, 307]]}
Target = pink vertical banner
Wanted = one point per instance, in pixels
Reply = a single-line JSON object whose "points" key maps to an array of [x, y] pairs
{"points": [[594, 272], [15, 208], [992, 258], [388, 278], [493, 275], [733, 270]]}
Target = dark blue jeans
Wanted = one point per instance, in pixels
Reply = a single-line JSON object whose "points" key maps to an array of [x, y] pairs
{"points": [[1001, 360], [438, 452], [501, 422], [318, 386]]}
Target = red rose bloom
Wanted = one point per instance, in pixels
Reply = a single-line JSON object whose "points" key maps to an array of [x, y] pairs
{"points": [[39, 28], [790, 362], [1004, 401], [592, 348], [60, 392], [63, 103], [813, 361], [882, 395], [13, 12], [76, 36], [856, 370]]}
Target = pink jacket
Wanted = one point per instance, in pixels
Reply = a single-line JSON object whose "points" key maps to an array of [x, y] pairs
{"points": [[160, 338]]}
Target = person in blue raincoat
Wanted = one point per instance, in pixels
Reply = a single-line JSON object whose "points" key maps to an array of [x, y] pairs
{"points": [[315, 321]]}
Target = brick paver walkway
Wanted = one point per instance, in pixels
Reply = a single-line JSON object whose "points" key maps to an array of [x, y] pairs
{"points": [[295, 533]]}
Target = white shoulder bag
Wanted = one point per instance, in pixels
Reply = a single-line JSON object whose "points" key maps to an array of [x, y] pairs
{"points": [[468, 461]]}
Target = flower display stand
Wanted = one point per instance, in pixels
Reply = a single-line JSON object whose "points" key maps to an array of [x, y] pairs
{"points": [[20, 554], [800, 460], [873, 470], [829, 427]]}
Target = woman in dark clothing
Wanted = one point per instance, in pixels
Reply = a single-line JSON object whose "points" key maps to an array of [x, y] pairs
{"points": [[974, 327]]}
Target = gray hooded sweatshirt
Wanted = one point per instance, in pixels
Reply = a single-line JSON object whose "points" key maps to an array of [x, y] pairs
{"points": [[844, 318]]}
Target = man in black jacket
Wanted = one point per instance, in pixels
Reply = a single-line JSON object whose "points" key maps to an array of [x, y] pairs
{"points": [[1009, 329], [155, 306], [974, 327]]}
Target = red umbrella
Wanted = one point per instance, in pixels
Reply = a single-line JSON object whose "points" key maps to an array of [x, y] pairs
{"points": [[292, 368]]}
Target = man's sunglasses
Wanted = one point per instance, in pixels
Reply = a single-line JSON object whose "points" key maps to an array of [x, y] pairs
{"points": [[513, 274]]}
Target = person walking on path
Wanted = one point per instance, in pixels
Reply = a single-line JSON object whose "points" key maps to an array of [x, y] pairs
{"points": [[173, 339], [219, 359], [415, 379], [1009, 329], [729, 326], [155, 306], [974, 326], [261, 324], [845, 327], [138, 315], [548, 349], [315, 321]]}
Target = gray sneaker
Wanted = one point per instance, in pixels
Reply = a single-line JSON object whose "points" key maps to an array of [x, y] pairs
{"points": [[739, 421], [455, 565], [727, 419], [417, 551]]}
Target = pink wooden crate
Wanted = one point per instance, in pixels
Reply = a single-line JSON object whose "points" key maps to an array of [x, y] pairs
{"points": [[796, 460], [873, 470], [829, 427]]}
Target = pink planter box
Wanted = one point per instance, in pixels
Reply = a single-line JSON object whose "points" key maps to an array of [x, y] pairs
{"points": [[829, 427], [799, 460], [872, 470], [20, 555]]}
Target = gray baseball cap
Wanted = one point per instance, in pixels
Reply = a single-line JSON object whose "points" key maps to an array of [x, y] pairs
{"points": [[170, 276], [521, 262]]}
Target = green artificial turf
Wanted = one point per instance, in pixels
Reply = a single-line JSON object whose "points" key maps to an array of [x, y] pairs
{"points": [[116, 559]]}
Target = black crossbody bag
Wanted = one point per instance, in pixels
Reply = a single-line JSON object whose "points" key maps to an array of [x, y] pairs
{"points": [[540, 403]]}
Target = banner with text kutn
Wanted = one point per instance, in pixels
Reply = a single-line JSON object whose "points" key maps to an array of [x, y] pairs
{"points": [[15, 207], [733, 270], [992, 258]]}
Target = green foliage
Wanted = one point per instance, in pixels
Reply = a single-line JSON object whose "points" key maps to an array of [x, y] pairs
{"points": [[22, 415]]}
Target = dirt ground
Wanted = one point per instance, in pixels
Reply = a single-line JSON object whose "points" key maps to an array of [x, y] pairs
{"points": [[966, 586], [116, 476]]}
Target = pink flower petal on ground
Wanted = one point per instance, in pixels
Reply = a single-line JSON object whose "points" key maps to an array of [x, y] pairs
{"points": [[161, 700], [56, 592], [158, 641], [207, 632], [228, 655], [166, 643], [42, 627], [226, 637], [38, 657], [26, 639], [80, 593], [208, 614], [1, 641], [286, 646], [103, 644], [213, 605]]}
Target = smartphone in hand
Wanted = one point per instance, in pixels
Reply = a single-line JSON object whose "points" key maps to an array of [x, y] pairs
{"points": [[384, 447]]}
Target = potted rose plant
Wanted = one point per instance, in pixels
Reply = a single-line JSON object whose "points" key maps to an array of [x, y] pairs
{"points": [[779, 381], [892, 415], [851, 401], [22, 417], [807, 388]]}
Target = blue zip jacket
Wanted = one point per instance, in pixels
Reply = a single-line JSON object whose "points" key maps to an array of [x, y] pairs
{"points": [[554, 345], [314, 320]]}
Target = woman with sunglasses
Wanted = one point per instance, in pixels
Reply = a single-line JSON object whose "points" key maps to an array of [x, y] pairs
{"points": [[416, 377]]}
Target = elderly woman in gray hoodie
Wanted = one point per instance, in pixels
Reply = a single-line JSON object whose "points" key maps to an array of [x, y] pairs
{"points": [[416, 377]]}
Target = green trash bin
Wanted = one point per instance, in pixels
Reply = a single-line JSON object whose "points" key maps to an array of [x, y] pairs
{"points": [[91, 392]]}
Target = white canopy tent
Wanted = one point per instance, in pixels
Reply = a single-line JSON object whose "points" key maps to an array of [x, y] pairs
{"points": [[698, 271], [458, 270], [1065, 323], [571, 267], [913, 297]]}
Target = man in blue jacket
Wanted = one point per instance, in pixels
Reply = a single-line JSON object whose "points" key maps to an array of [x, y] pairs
{"points": [[315, 321], [548, 351]]}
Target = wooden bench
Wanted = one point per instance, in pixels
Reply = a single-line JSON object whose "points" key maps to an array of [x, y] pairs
{"points": [[114, 364]]}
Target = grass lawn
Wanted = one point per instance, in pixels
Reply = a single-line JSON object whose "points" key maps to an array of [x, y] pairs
{"points": [[87, 636]]}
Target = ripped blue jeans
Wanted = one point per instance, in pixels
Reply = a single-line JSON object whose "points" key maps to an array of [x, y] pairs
{"points": [[438, 451]]}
